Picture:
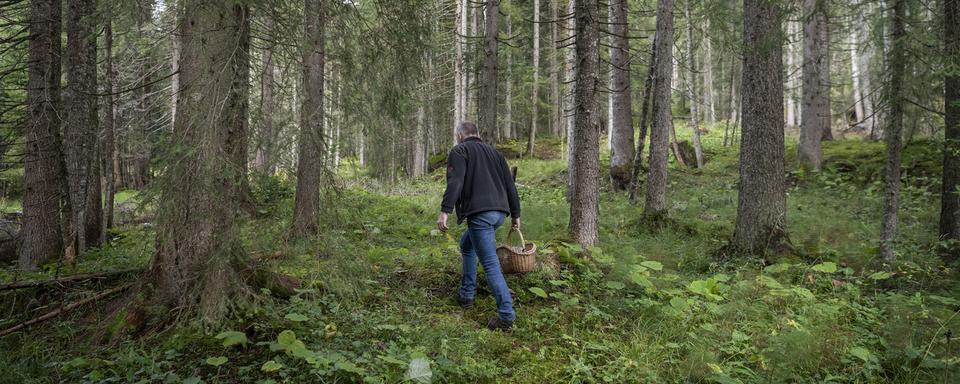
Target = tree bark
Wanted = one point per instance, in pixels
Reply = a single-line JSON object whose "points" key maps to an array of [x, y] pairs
{"points": [[709, 90], [863, 57], [535, 98], [460, 72], [950, 201], [855, 87], [175, 66], [570, 99], [815, 114], [791, 91], [621, 103], [419, 158], [198, 261], [556, 122], [893, 134], [692, 89], [761, 212], [264, 157], [585, 194], [823, 70], [487, 118], [42, 161], [645, 100], [239, 140], [655, 202], [507, 127], [309, 166], [734, 118], [80, 126], [109, 152], [470, 100]]}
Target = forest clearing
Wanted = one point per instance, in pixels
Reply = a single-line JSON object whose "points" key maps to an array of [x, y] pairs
{"points": [[258, 191]]}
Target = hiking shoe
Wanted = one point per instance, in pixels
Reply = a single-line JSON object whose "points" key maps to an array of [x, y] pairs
{"points": [[462, 302], [495, 323]]}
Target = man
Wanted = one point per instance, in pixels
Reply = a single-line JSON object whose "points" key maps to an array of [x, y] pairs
{"points": [[480, 187]]}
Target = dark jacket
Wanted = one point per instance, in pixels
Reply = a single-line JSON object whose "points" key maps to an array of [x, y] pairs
{"points": [[478, 180]]}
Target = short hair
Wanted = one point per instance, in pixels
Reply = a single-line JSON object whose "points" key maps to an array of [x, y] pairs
{"points": [[467, 128]]}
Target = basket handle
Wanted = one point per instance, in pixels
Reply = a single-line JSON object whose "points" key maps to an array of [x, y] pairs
{"points": [[523, 243]]}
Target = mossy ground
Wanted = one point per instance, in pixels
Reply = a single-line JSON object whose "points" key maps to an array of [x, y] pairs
{"points": [[649, 304]]}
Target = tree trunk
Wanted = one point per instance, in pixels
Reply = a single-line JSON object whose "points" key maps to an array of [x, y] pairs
{"points": [[80, 126], [870, 118], [109, 152], [815, 118], [570, 100], [732, 120], [175, 66], [239, 140], [507, 126], [337, 119], [791, 90], [893, 134], [487, 118], [309, 166], [470, 100], [655, 202], [855, 77], [585, 194], [950, 201], [761, 211], [419, 157], [198, 261], [708, 87], [535, 99], [692, 89], [861, 55], [621, 103], [823, 70], [264, 157], [645, 100], [459, 68], [556, 122], [42, 160]]}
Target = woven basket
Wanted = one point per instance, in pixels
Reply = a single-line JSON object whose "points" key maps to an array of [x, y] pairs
{"points": [[517, 259]]}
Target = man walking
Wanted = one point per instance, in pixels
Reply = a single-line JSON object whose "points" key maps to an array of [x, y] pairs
{"points": [[480, 187]]}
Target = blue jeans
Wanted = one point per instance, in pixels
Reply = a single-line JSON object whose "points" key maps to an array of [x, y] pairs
{"points": [[479, 240]]}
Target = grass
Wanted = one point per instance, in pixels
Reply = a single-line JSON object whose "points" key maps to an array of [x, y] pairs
{"points": [[647, 305]]}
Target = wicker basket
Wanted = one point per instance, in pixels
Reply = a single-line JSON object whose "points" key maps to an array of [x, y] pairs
{"points": [[517, 259]]}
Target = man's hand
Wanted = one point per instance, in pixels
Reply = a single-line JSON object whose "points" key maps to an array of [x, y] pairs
{"points": [[442, 222], [515, 224]]}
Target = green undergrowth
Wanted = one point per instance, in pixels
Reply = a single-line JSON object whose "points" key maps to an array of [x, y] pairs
{"points": [[648, 304]]}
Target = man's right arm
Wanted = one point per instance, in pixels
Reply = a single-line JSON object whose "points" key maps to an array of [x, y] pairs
{"points": [[456, 170]]}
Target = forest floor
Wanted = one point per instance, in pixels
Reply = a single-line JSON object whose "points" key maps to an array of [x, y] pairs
{"points": [[649, 304]]}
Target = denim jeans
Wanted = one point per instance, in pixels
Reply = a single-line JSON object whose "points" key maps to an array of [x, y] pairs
{"points": [[479, 241]]}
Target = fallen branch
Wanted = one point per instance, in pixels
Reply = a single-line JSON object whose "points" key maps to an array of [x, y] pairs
{"points": [[67, 279], [61, 310]]}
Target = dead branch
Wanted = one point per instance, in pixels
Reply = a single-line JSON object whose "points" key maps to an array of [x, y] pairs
{"points": [[61, 310], [67, 279]]}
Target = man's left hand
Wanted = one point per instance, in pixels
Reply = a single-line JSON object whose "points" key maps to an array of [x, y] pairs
{"points": [[442, 222]]}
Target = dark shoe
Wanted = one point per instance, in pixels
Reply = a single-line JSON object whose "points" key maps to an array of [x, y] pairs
{"points": [[463, 302], [495, 323]]}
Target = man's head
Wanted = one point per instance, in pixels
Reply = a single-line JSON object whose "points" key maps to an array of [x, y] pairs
{"points": [[464, 130]]}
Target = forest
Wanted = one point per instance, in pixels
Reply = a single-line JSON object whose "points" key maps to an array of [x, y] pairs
{"points": [[712, 191]]}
